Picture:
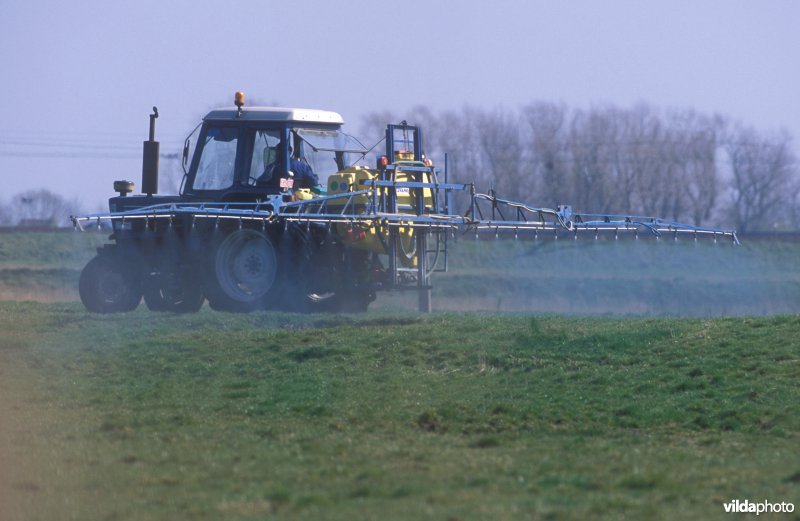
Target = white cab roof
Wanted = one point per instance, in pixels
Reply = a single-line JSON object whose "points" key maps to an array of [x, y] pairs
{"points": [[277, 114]]}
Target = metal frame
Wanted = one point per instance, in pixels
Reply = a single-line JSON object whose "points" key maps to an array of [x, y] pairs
{"points": [[318, 210]]}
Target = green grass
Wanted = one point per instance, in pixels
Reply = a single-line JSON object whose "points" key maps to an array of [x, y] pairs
{"points": [[395, 416], [65, 249], [44, 266]]}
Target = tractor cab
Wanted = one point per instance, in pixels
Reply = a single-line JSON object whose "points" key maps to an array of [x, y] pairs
{"points": [[245, 154]]}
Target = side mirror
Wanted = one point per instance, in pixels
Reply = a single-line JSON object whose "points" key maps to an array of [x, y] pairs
{"points": [[187, 146], [186, 153]]}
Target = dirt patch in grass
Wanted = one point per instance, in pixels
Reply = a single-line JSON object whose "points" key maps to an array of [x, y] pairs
{"points": [[38, 295]]}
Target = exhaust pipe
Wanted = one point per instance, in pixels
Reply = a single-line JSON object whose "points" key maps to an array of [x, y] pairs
{"points": [[150, 154]]}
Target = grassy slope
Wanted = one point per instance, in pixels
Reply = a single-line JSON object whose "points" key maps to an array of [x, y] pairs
{"points": [[214, 416], [44, 265], [62, 249]]}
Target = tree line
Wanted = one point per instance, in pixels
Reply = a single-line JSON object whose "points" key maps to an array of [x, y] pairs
{"points": [[678, 164], [38, 208]]}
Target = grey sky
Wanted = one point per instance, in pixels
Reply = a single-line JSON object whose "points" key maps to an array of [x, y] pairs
{"points": [[80, 78]]}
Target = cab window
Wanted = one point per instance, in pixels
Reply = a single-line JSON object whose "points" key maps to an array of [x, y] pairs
{"points": [[263, 166], [217, 165], [328, 151]]}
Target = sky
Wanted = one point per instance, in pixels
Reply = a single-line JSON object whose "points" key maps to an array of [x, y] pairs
{"points": [[80, 78]]}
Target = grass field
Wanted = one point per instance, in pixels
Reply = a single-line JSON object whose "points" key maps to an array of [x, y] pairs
{"points": [[393, 416], [560, 385]]}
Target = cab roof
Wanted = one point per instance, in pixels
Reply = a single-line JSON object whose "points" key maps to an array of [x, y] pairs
{"points": [[275, 114]]}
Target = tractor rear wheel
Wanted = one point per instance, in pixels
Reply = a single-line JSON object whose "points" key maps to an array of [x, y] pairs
{"points": [[244, 270], [109, 286]]}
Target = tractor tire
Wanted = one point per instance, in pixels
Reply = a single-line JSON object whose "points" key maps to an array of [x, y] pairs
{"points": [[307, 286], [243, 271], [173, 291], [315, 282], [108, 286]]}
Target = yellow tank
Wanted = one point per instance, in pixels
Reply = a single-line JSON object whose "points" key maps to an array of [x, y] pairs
{"points": [[353, 179], [368, 236]]}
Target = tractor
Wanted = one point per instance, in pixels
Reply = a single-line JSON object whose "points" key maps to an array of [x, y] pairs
{"points": [[278, 210]]}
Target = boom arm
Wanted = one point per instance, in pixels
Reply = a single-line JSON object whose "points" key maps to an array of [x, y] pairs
{"points": [[486, 212], [509, 215]]}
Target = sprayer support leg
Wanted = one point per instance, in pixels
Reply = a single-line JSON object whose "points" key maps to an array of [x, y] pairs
{"points": [[425, 301], [422, 267]]}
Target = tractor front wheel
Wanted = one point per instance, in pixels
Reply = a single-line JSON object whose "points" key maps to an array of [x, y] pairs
{"points": [[108, 286]]}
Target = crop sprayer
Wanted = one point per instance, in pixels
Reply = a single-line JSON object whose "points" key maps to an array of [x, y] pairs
{"points": [[251, 229]]}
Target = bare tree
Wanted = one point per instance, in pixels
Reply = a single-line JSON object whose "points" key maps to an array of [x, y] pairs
{"points": [[695, 141], [546, 140], [637, 158], [592, 138], [795, 210], [764, 179], [5, 215], [501, 151], [463, 143], [41, 208]]}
